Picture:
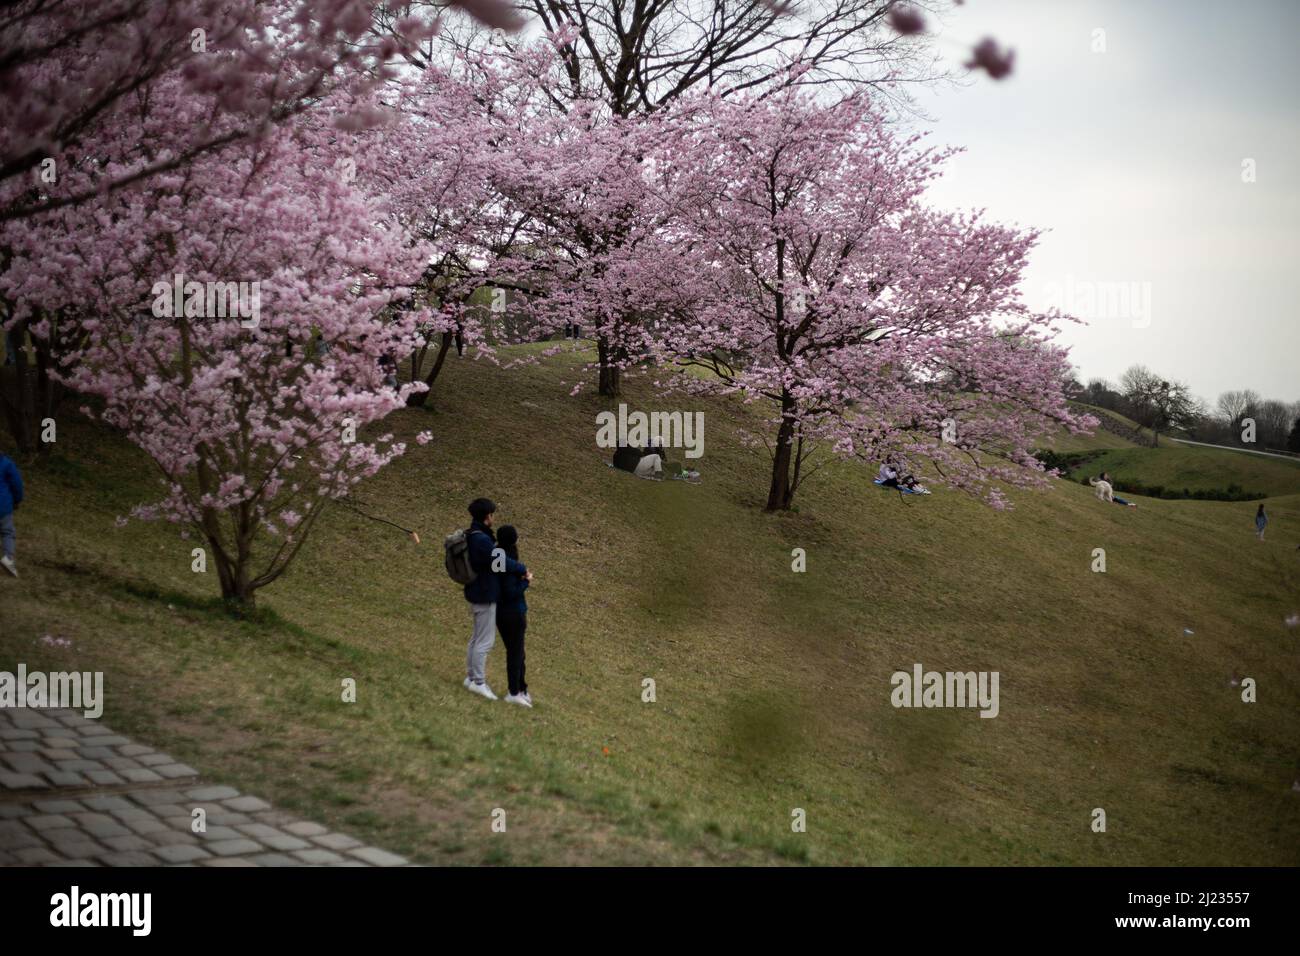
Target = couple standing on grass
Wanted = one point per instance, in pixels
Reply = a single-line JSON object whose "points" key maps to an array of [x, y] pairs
{"points": [[496, 601]]}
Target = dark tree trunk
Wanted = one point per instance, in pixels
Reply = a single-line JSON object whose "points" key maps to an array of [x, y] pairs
{"points": [[18, 393], [780, 493], [418, 399], [237, 591], [48, 393], [239, 598], [611, 376], [29, 393]]}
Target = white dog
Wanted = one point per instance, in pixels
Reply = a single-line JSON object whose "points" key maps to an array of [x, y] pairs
{"points": [[1104, 491]]}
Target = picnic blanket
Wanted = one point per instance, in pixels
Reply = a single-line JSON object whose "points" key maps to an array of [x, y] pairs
{"points": [[688, 476], [907, 491]]}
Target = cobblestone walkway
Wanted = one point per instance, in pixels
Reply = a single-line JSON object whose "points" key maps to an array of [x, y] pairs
{"points": [[73, 793]]}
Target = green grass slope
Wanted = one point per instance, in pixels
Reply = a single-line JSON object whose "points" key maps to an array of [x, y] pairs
{"points": [[1189, 466], [1100, 437], [772, 687]]}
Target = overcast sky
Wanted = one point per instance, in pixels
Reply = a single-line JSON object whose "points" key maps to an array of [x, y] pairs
{"points": [[1133, 159]]}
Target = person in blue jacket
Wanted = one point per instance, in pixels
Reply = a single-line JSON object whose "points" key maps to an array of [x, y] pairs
{"points": [[484, 592], [512, 619], [11, 496]]}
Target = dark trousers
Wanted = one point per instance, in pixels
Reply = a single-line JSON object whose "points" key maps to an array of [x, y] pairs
{"points": [[512, 628]]}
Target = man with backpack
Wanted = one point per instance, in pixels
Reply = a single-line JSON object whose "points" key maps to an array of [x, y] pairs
{"points": [[482, 589]]}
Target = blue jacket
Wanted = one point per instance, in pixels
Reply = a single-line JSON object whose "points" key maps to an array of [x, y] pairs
{"points": [[11, 487], [486, 586], [512, 603]]}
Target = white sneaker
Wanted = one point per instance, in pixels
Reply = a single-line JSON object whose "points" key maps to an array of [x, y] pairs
{"points": [[528, 697], [8, 564], [520, 699], [482, 690]]}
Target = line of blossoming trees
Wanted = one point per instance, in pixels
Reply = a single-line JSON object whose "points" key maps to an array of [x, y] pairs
{"points": [[776, 237]]}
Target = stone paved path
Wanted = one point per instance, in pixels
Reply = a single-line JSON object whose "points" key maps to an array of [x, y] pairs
{"points": [[73, 793]]}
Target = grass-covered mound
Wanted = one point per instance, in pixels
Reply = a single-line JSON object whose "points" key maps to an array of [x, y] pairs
{"points": [[773, 688]]}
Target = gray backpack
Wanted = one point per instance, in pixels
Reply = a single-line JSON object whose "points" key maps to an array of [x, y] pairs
{"points": [[456, 549]]}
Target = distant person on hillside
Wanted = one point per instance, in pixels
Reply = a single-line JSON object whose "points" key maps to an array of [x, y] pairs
{"points": [[644, 463], [626, 458], [11, 496], [512, 619], [889, 476], [651, 464], [656, 447], [1261, 522], [483, 594], [1106, 490], [1105, 476]]}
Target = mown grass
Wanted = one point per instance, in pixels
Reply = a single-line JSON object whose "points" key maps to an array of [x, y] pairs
{"points": [[1099, 438], [1192, 467], [772, 687]]}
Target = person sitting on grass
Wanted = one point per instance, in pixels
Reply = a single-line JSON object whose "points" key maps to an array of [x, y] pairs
{"points": [[643, 464], [626, 458], [656, 447], [889, 477], [1105, 476], [653, 460], [11, 496]]}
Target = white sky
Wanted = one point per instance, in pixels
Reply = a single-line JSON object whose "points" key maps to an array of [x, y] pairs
{"points": [[1132, 158]]}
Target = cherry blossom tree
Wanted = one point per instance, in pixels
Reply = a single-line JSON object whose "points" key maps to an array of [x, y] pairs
{"points": [[870, 324], [234, 316], [581, 183], [188, 78], [515, 196], [432, 166], [67, 65]]}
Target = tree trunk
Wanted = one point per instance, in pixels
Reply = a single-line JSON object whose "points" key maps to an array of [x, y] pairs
{"points": [[31, 395], [48, 393], [780, 493], [13, 405], [20, 401], [239, 598], [417, 399], [611, 377]]}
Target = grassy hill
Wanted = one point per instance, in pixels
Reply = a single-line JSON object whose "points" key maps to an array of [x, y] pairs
{"points": [[1101, 437], [772, 687], [1188, 466], [1173, 465]]}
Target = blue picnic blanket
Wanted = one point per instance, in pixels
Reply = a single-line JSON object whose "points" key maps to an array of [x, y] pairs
{"points": [[907, 491]]}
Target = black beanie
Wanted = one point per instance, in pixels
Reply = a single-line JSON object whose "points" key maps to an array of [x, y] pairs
{"points": [[480, 508]]}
